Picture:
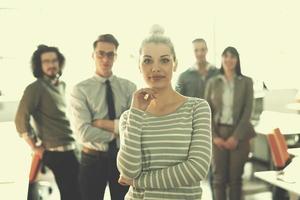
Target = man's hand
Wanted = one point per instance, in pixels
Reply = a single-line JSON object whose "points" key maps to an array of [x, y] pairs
{"points": [[125, 182], [39, 150]]}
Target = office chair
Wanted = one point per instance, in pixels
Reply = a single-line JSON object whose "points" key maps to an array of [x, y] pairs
{"points": [[280, 158]]}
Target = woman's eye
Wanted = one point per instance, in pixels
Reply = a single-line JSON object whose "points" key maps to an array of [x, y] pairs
{"points": [[165, 60], [147, 61]]}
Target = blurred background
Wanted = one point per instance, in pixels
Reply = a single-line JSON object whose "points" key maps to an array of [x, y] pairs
{"points": [[265, 33]]}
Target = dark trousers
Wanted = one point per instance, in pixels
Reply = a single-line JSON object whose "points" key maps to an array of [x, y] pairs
{"points": [[65, 167], [228, 167], [210, 182], [96, 171]]}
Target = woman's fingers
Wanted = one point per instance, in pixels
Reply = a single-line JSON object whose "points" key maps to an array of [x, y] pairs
{"points": [[147, 93], [123, 181], [123, 184], [142, 98]]}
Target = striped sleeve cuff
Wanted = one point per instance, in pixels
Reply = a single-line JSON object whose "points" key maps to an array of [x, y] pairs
{"points": [[138, 182], [143, 180], [116, 126]]}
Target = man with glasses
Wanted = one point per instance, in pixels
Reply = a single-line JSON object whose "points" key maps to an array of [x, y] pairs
{"points": [[97, 103], [44, 101]]}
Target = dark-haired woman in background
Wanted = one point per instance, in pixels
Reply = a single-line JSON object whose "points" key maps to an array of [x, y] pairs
{"points": [[230, 96]]}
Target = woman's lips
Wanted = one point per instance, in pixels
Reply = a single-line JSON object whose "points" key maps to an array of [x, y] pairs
{"points": [[156, 78]]}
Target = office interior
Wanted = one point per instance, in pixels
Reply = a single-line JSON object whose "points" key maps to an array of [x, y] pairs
{"points": [[264, 32]]}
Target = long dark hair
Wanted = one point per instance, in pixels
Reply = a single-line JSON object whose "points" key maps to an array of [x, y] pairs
{"points": [[36, 63], [235, 53]]}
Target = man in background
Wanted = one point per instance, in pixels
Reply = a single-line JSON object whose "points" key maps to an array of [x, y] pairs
{"points": [[97, 103], [192, 82], [44, 100]]}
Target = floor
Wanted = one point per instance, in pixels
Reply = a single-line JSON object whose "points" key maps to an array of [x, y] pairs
{"points": [[207, 194], [248, 186]]}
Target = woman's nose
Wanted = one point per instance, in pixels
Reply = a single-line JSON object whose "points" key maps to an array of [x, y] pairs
{"points": [[156, 68]]}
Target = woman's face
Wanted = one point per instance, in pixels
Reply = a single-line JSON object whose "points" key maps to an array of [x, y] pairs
{"points": [[229, 61], [157, 65]]}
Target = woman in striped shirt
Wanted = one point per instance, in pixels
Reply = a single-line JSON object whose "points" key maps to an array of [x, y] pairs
{"points": [[165, 137]]}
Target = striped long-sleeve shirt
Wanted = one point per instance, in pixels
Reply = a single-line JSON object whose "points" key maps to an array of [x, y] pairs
{"points": [[166, 156]]}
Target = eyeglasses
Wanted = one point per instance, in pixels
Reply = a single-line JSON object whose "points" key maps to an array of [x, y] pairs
{"points": [[110, 55], [47, 62]]}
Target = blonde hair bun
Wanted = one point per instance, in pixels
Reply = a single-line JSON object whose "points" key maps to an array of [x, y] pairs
{"points": [[157, 29]]}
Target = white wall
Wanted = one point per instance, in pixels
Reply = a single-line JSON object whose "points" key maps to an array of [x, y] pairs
{"points": [[265, 33]]}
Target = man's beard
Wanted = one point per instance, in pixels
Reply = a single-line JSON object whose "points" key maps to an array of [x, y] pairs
{"points": [[52, 77]]}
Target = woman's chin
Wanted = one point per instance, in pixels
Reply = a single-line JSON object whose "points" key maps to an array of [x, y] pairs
{"points": [[157, 86]]}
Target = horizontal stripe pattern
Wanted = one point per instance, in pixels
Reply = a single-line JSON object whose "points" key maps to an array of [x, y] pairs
{"points": [[166, 156]]}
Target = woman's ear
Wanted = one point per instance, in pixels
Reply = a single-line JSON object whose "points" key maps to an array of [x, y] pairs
{"points": [[140, 67], [175, 65]]}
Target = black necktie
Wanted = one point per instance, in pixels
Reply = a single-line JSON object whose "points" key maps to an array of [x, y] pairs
{"points": [[111, 114]]}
